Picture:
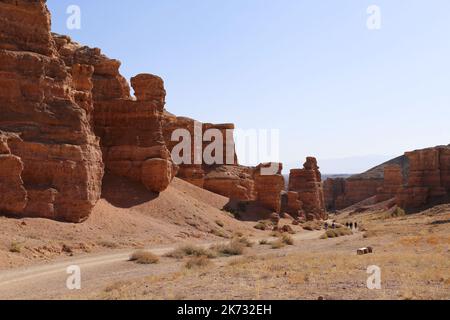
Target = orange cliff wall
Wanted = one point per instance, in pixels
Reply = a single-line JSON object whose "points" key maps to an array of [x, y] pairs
{"points": [[307, 182], [428, 180], [50, 155]]}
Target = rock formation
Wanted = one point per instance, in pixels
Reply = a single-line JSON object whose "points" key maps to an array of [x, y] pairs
{"points": [[307, 182], [291, 204], [269, 187], [428, 178], [130, 130], [52, 156], [392, 183]]}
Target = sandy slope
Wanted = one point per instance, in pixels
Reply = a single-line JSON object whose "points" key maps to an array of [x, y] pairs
{"points": [[127, 216]]}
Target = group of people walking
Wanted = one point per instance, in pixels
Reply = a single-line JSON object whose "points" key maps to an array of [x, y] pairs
{"points": [[349, 225]]}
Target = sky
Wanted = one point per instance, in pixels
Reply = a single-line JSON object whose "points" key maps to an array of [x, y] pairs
{"points": [[335, 89]]}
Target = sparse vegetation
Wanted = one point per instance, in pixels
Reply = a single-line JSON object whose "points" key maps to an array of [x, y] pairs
{"points": [[287, 239], [220, 233], [244, 241], [278, 244], [396, 213], [108, 244], [335, 233], [144, 257], [312, 225], [197, 262], [220, 223], [261, 225], [263, 242], [191, 251], [234, 248], [15, 247]]}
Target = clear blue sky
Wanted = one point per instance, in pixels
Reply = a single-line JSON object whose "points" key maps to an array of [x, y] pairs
{"points": [[309, 68]]}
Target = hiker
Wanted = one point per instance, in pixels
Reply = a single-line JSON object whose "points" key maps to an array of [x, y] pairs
{"points": [[326, 225], [333, 226], [351, 225], [347, 225], [356, 225]]}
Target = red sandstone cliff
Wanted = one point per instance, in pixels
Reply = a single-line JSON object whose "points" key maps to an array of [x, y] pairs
{"points": [[307, 182], [50, 154]]}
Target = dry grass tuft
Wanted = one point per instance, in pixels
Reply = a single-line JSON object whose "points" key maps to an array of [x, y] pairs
{"points": [[312, 225], [335, 233], [191, 251], [278, 244], [144, 257], [234, 248], [15, 247], [287, 239], [198, 262]]}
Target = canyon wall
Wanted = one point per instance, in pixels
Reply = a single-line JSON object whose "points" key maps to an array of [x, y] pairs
{"points": [[50, 154], [130, 129], [428, 179]]}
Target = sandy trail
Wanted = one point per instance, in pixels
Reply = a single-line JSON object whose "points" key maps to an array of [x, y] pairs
{"points": [[97, 271]]}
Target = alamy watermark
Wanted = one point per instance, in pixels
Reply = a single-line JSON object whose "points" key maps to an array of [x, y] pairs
{"points": [[73, 282], [219, 147], [374, 19], [374, 280], [73, 21]]}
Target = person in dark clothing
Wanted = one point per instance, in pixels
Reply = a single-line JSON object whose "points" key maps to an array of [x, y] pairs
{"points": [[351, 225], [356, 225], [347, 225]]}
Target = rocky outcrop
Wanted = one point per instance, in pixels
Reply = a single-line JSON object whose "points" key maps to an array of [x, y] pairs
{"points": [[13, 196], [392, 183], [307, 182], [291, 204], [269, 186], [130, 130], [54, 157], [203, 138], [428, 178]]}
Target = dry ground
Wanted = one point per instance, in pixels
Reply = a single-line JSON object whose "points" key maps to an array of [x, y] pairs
{"points": [[127, 216], [412, 252]]}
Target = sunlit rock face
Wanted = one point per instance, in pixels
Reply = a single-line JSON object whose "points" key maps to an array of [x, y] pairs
{"points": [[52, 164]]}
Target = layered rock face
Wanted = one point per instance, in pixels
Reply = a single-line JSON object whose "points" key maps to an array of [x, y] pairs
{"points": [[50, 155], [307, 182], [291, 204], [130, 130], [342, 193], [269, 187], [203, 138], [428, 178], [392, 184]]}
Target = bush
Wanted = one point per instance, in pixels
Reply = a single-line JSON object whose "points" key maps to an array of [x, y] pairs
{"points": [[15, 247], [220, 223], [144, 257], [312, 225], [335, 233], [396, 213], [261, 226], [197, 262], [220, 233], [190, 251], [263, 242], [244, 241], [287, 239], [278, 244], [234, 248]]}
